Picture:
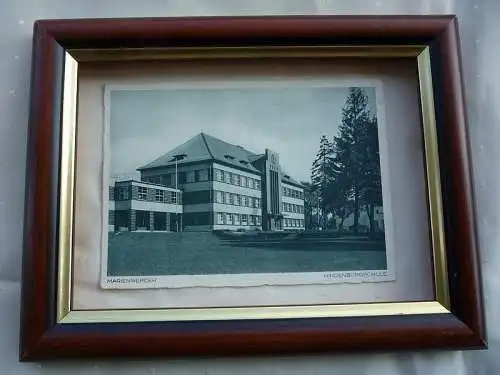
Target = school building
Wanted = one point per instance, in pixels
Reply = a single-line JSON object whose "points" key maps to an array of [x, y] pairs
{"points": [[208, 184]]}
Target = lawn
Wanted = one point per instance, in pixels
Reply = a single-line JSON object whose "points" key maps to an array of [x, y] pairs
{"points": [[140, 254]]}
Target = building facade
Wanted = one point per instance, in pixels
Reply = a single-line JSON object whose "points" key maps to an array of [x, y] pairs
{"points": [[226, 187]]}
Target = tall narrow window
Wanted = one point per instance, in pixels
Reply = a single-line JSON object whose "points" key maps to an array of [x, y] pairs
{"points": [[220, 218], [218, 197], [142, 193], [219, 175]]}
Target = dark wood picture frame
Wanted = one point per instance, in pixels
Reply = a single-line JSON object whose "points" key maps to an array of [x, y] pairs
{"points": [[42, 337]]}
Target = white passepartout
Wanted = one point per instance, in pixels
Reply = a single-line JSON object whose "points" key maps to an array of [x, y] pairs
{"points": [[403, 192]]}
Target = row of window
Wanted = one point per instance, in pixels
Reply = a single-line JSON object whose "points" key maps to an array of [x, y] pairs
{"points": [[292, 193], [200, 175], [160, 195], [236, 199], [289, 207], [293, 223], [238, 219], [123, 193], [168, 179], [236, 179]]}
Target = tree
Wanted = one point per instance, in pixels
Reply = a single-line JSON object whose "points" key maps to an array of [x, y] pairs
{"points": [[310, 204], [349, 147], [321, 175], [371, 183]]}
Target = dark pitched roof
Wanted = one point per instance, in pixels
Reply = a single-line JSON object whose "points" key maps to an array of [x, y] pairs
{"points": [[205, 147], [286, 178]]}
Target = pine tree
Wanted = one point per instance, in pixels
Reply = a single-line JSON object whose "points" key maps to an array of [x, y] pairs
{"points": [[350, 149], [371, 185], [321, 176]]}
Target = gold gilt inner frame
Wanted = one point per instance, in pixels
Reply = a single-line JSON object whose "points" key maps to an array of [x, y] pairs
{"points": [[452, 319]]}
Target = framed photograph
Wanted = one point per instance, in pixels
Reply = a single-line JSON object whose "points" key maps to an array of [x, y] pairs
{"points": [[252, 185]]}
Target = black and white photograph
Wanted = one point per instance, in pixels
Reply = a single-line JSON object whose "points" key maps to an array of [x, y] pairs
{"points": [[244, 185]]}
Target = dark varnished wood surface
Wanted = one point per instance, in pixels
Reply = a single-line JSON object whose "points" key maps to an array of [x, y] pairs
{"points": [[42, 338]]}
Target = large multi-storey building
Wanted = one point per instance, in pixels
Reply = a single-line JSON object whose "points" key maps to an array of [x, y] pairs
{"points": [[224, 186]]}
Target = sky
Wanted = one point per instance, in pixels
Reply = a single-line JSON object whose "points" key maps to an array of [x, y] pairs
{"points": [[145, 124]]}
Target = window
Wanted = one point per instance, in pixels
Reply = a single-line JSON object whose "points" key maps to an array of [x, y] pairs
{"points": [[238, 200], [181, 178], [227, 198], [243, 181], [229, 219], [227, 177], [143, 193], [258, 220], [236, 219], [257, 202], [166, 179], [173, 197], [218, 197], [220, 218], [235, 179], [233, 198], [202, 175], [252, 220], [302, 223], [190, 176], [250, 183], [159, 195], [219, 175], [122, 193], [244, 201], [257, 184], [244, 219]]}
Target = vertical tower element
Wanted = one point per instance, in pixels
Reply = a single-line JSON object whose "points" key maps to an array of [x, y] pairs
{"points": [[272, 216]]}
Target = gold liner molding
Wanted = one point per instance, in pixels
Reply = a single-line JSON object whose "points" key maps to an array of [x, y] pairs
{"points": [[66, 315], [197, 53]]}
